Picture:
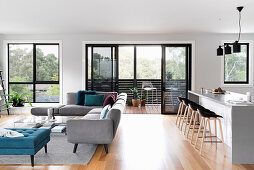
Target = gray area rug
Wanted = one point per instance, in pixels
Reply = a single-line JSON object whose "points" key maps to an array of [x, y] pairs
{"points": [[59, 152]]}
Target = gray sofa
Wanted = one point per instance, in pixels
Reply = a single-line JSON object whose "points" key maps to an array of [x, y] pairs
{"points": [[71, 109], [93, 130]]}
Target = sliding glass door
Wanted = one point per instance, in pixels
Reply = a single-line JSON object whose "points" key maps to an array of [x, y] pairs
{"points": [[102, 68], [175, 75], [160, 71]]}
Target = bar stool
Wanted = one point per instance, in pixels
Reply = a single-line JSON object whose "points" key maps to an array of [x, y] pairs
{"points": [[194, 118], [185, 121], [206, 116], [182, 118], [180, 109]]}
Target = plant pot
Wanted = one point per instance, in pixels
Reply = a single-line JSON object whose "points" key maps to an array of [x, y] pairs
{"points": [[17, 103], [143, 102], [129, 102], [135, 102]]}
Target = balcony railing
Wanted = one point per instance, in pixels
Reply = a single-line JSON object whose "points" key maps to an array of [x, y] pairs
{"points": [[174, 88]]}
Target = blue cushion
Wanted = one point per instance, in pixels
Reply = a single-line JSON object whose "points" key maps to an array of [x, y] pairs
{"points": [[94, 100], [105, 111], [32, 138], [81, 96]]}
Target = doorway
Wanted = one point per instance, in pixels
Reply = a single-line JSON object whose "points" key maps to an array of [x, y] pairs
{"points": [[119, 67]]}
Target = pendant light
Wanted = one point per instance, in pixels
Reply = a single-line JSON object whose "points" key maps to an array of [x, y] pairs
{"points": [[236, 45]]}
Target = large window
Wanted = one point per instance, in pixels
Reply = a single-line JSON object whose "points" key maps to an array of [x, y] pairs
{"points": [[34, 71], [149, 62], [236, 66]]}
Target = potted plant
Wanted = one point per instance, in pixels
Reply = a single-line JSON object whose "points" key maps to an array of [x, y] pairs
{"points": [[143, 99], [135, 100], [17, 100], [129, 102]]}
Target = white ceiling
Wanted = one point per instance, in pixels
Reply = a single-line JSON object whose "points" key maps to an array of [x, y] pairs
{"points": [[124, 16]]}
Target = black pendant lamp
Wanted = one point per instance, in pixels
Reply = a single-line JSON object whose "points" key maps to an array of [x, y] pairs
{"points": [[228, 49], [236, 45]]}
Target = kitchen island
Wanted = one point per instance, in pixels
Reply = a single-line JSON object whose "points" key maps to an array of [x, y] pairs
{"points": [[237, 121]]}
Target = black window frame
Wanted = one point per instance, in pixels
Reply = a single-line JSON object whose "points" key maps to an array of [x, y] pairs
{"points": [[188, 61], [247, 66], [34, 82]]}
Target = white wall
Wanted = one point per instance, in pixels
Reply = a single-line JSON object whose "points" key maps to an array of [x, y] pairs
{"points": [[207, 64]]}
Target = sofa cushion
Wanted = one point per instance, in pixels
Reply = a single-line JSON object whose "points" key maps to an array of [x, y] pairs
{"points": [[91, 117], [110, 99], [75, 110], [95, 111], [105, 111], [43, 111], [32, 138], [81, 96], [94, 100]]}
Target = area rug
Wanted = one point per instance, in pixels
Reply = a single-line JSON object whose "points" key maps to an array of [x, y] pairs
{"points": [[59, 152]]}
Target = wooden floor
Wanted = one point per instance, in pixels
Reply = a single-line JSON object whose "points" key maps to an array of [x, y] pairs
{"points": [[148, 109], [147, 142]]}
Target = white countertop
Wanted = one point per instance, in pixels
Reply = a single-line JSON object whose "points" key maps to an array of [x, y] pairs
{"points": [[229, 98]]}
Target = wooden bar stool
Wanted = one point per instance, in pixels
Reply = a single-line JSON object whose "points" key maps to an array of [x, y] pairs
{"points": [[180, 109], [187, 113], [206, 116], [195, 117]]}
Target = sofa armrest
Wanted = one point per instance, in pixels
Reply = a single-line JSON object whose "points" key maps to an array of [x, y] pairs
{"points": [[90, 131]]}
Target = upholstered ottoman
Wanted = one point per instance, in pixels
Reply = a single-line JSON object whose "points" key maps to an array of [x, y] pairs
{"points": [[30, 144]]}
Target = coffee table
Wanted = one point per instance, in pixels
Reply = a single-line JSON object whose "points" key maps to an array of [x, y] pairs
{"points": [[31, 121]]}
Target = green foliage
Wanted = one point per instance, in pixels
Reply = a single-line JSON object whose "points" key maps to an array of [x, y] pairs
{"points": [[21, 65], [235, 66], [135, 93], [144, 96], [17, 100], [21, 70]]}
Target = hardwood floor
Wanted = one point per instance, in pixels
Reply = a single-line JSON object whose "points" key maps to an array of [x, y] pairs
{"points": [[147, 142]]}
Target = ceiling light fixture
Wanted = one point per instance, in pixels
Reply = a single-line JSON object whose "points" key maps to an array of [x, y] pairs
{"points": [[236, 45]]}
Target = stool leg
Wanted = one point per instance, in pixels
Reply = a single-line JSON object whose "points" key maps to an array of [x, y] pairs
{"points": [[179, 110], [200, 127], [192, 115], [186, 122], [194, 125], [215, 128], [222, 139], [210, 132], [204, 135], [180, 116], [186, 114], [183, 117]]}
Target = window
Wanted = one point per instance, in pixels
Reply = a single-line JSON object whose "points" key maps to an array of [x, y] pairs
{"points": [[126, 62], [149, 62], [236, 66], [34, 71]]}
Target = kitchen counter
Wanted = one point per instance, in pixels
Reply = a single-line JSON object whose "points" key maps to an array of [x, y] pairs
{"points": [[237, 122], [228, 98]]}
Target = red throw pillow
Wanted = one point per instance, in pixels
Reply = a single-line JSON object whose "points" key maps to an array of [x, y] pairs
{"points": [[110, 99]]}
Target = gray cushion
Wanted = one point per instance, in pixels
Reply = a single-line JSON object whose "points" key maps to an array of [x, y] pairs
{"points": [[95, 111], [75, 110], [43, 111], [91, 117]]}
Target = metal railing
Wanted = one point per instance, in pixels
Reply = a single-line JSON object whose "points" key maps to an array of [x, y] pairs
{"points": [[174, 88]]}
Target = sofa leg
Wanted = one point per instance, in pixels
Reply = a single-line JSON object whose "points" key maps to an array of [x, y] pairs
{"points": [[75, 148], [46, 148], [106, 148], [32, 160]]}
